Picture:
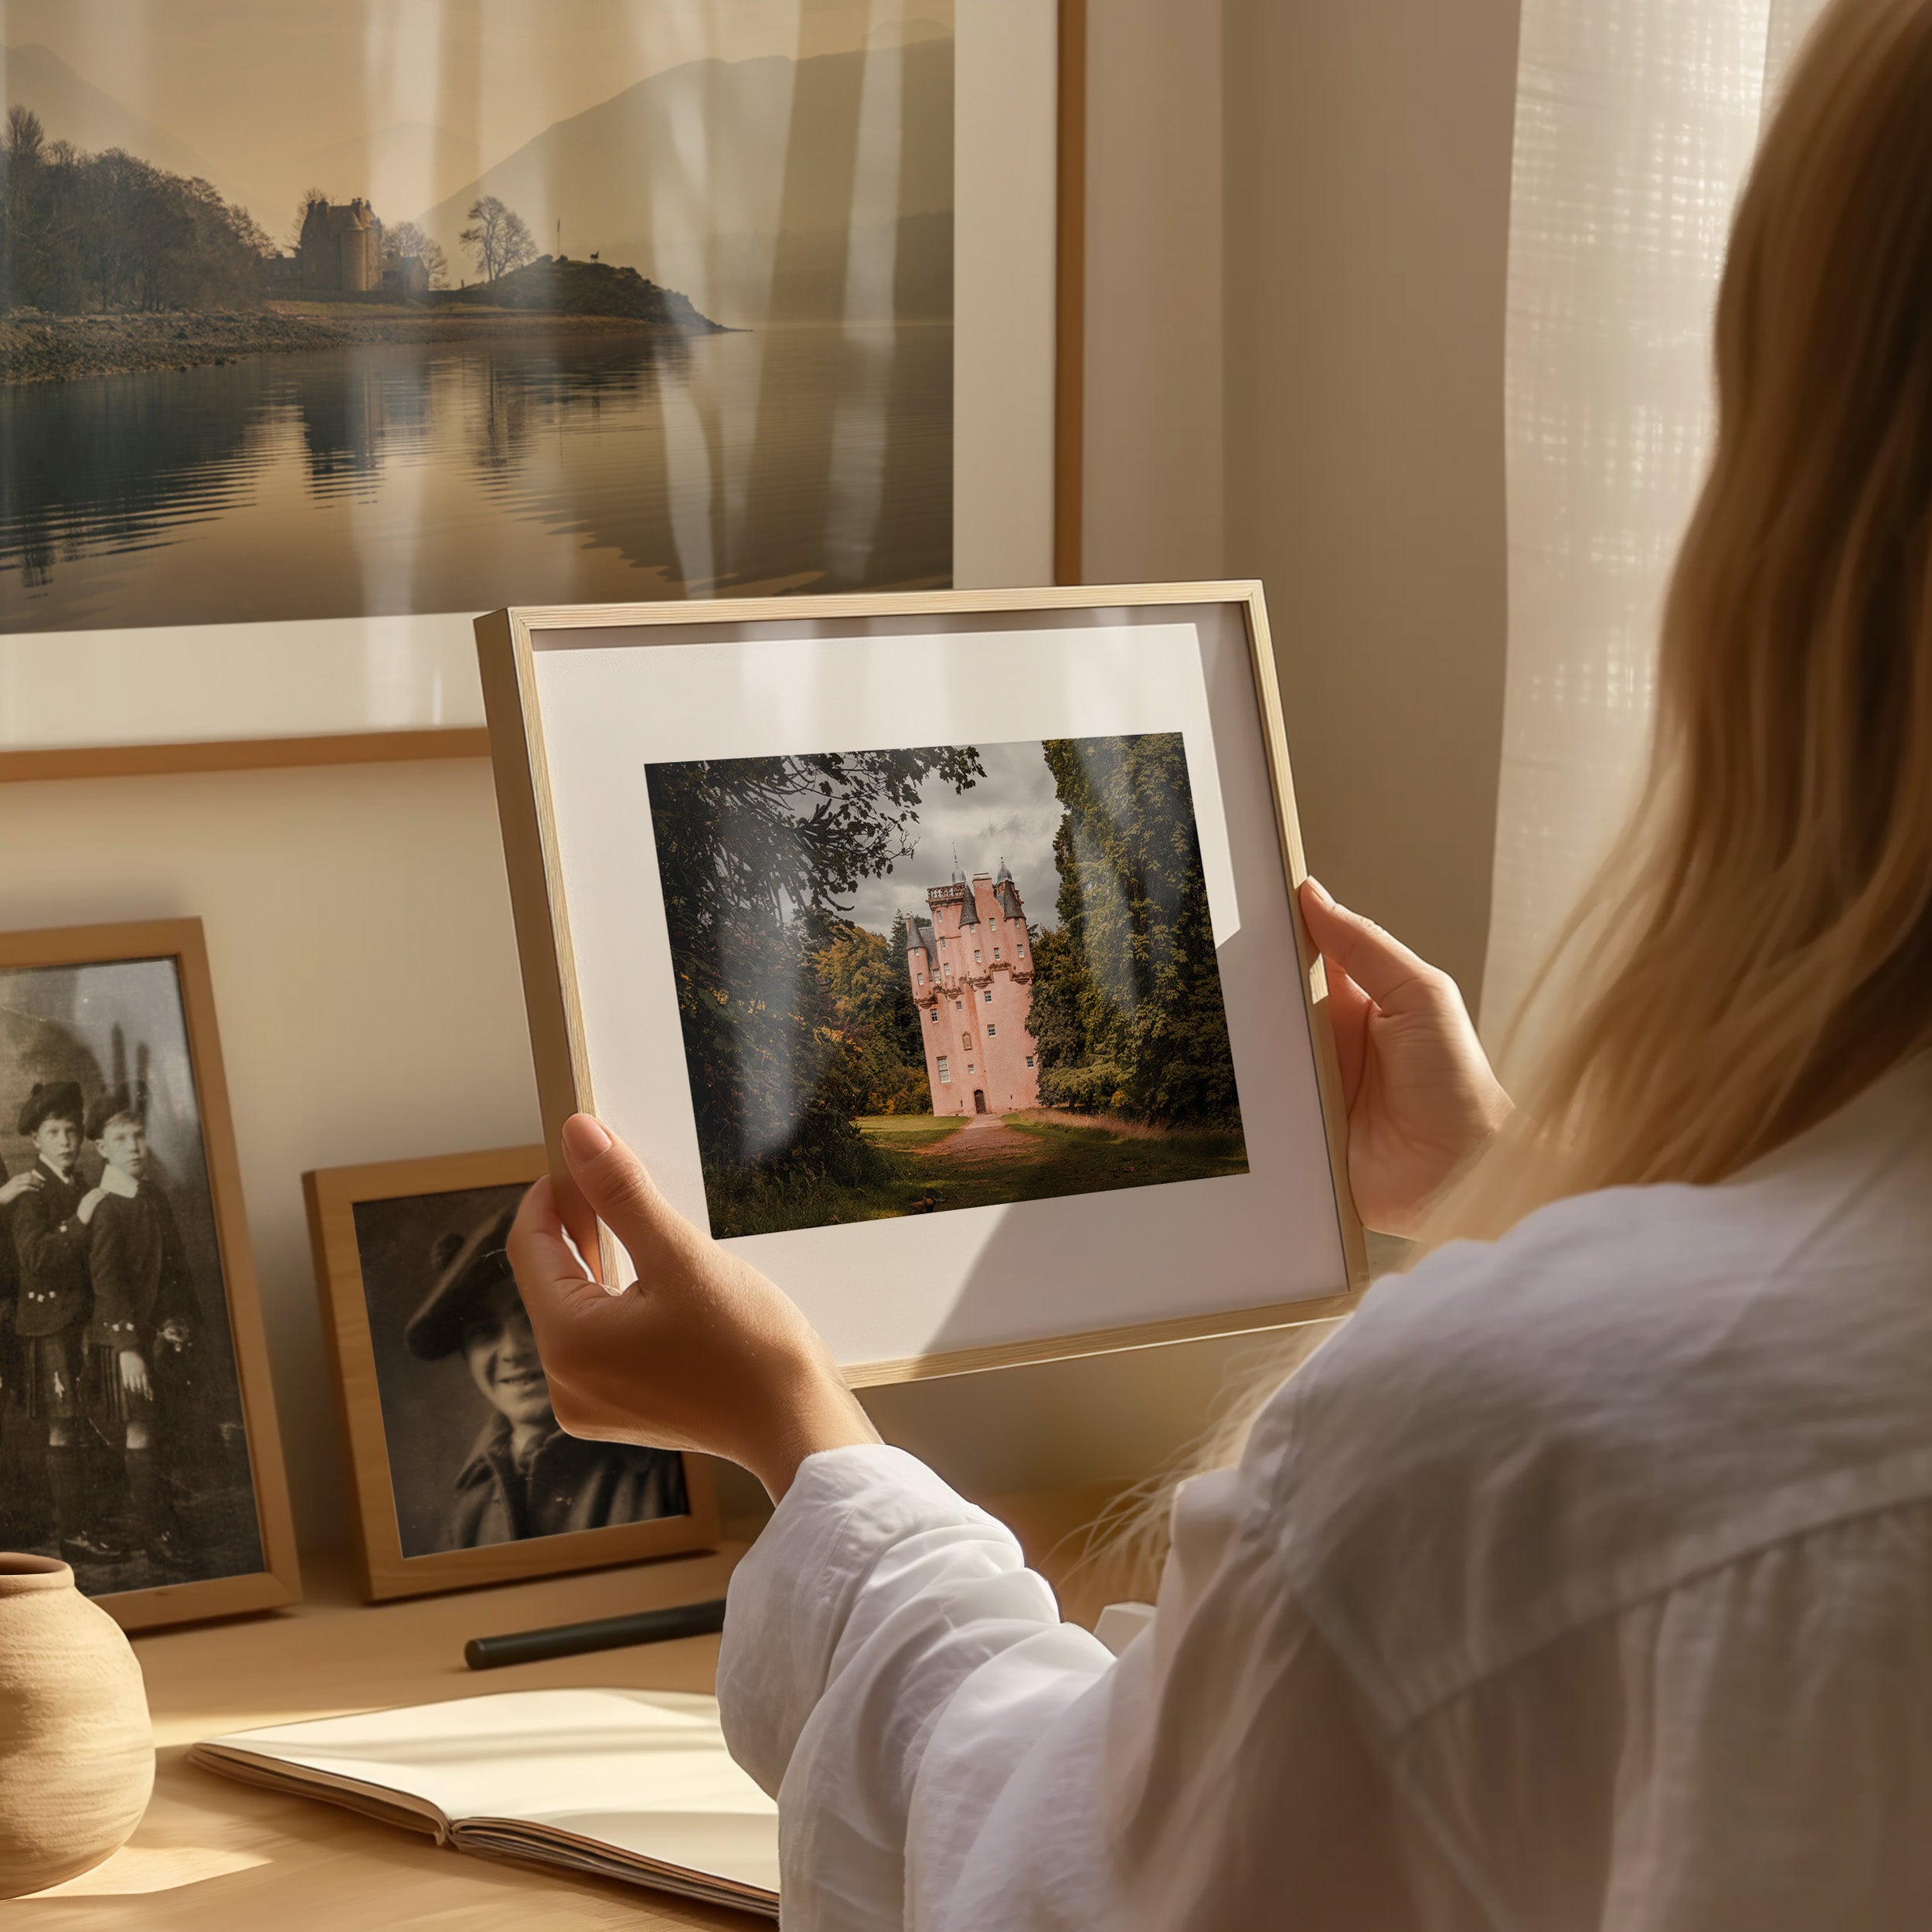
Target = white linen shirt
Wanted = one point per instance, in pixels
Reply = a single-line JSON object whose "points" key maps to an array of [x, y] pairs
{"points": [[1584, 1579]]}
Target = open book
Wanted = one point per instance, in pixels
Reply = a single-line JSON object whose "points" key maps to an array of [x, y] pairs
{"points": [[622, 1784]]}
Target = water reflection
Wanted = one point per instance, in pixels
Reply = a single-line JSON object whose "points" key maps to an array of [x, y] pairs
{"points": [[460, 475]]}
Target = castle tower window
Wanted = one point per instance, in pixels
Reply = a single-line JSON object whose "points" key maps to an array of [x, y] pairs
{"points": [[945, 1072], [1029, 1060], [995, 952], [991, 1029], [989, 996], [976, 958]]}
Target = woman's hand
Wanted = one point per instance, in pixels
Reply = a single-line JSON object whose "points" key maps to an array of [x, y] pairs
{"points": [[134, 1373], [701, 1353], [27, 1183], [1421, 1096]]}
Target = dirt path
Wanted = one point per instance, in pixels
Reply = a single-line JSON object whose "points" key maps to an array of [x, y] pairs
{"points": [[985, 1137]]}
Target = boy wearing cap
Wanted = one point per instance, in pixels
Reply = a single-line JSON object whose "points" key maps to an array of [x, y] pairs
{"points": [[525, 1477], [54, 1299], [142, 1293]]}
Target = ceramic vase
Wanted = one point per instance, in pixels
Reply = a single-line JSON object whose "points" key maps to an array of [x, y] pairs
{"points": [[76, 1749]]}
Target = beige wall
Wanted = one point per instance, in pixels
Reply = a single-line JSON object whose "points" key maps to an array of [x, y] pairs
{"points": [[1297, 217], [1367, 156]]}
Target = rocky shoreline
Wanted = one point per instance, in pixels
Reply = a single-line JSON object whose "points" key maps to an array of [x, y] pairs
{"points": [[39, 348]]}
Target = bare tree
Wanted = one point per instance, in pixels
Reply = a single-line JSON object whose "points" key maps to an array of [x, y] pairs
{"points": [[406, 242], [24, 137], [311, 198], [498, 237]]}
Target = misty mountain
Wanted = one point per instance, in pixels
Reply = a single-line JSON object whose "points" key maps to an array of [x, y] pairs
{"points": [[71, 109], [760, 188]]}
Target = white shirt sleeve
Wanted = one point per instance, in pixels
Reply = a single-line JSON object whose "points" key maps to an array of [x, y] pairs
{"points": [[947, 1754]]}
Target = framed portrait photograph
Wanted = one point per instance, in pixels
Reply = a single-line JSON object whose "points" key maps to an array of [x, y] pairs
{"points": [[137, 1423], [461, 1474], [392, 317], [939, 953]]}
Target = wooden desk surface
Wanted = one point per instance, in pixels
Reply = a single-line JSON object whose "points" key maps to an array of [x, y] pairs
{"points": [[212, 1854]]}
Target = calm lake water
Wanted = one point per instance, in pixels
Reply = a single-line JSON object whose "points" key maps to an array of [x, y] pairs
{"points": [[464, 475]]}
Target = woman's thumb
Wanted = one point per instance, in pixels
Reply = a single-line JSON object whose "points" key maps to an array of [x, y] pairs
{"points": [[1376, 960], [619, 1191]]}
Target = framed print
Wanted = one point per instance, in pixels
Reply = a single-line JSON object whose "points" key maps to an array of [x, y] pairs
{"points": [[138, 1432], [645, 299], [461, 1475], [939, 953]]}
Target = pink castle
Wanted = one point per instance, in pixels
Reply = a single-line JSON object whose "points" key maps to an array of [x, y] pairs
{"points": [[971, 966]]}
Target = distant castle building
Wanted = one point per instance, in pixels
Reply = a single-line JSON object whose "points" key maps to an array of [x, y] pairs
{"points": [[341, 248], [972, 967]]}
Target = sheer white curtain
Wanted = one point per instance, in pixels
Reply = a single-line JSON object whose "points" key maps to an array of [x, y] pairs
{"points": [[1635, 123]]}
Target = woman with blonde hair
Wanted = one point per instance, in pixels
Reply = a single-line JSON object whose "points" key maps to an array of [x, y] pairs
{"points": [[1584, 1578]]}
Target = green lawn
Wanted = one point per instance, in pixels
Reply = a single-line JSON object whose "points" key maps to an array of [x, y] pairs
{"points": [[907, 1133], [1062, 1157]]}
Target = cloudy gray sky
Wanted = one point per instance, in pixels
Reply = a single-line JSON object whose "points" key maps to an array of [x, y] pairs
{"points": [[1012, 813]]}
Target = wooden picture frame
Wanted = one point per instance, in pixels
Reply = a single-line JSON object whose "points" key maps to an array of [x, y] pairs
{"points": [[509, 648], [195, 1097], [333, 1196]]}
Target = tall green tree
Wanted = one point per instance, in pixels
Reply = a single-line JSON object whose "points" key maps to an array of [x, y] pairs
{"points": [[864, 976], [756, 856], [1128, 1009]]}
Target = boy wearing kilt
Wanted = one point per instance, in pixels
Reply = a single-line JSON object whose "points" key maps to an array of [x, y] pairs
{"points": [[142, 1295], [53, 1300]]}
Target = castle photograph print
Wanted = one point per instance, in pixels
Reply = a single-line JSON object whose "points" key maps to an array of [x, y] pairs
{"points": [[912, 980], [343, 311]]}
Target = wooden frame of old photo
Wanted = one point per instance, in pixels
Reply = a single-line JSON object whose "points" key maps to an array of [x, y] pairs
{"points": [[600, 716], [333, 1196], [195, 1096]]}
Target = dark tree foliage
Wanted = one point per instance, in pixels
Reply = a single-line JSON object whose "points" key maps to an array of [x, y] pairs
{"points": [[1127, 1010], [754, 855], [108, 231]]}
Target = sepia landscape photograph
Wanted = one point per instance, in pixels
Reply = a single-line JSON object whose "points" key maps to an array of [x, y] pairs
{"points": [[918, 979], [375, 309]]}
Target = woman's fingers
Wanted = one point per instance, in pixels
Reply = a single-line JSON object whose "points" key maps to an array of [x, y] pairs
{"points": [[1349, 1010], [545, 1265], [1377, 961], [617, 1188]]}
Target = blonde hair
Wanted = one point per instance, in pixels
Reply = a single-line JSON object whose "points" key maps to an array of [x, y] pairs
{"points": [[1758, 948]]}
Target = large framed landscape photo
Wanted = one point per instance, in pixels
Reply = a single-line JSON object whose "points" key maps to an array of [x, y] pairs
{"points": [[138, 1436], [461, 1475], [321, 330], [939, 952]]}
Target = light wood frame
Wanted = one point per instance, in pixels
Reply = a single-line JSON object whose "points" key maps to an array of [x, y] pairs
{"points": [[544, 945], [181, 941], [331, 1195]]}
